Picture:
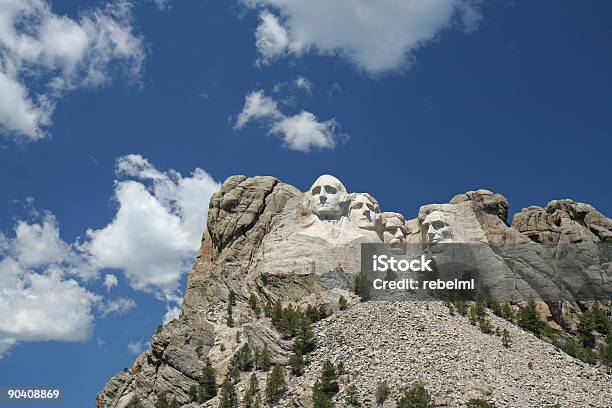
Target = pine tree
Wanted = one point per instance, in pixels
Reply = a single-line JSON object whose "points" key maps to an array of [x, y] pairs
{"points": [[134, 402], [305, 342], [268, 309], [262, 359], [320, 399], [496, 308], [340, 368], [162, 401], [351, 398], [342, 303], [415, 397], [208, 384], [296, 362], [485, 326], [528, 319], [312, 314], [461, 307], [258, 403], [480, 309], [472, 315], [174, 403], [359, 287], [244, 358], [506, 339], [605, 351], [252, 392], [329, 379], [252, 301], [507, 312], [275, 384], [231, 299], [479, 403], [382, 392], [230, 317], [193, 393], [323, 313], [228, 395]]}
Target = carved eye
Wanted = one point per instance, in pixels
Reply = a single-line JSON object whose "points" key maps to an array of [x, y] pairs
{"points": [[330, 190], [370, 207], [316, 190], [438, 225], [357, 206]]}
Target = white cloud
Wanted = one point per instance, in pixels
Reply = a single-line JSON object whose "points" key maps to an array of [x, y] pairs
{"points": [[38, 300], [153, 239], [257, 106], [44, 55], [375, 36], [171, 314], [110, 280], [301, 132], [39, 243], [271, 38], [18, 113], [137, 347], [117, 306], [303, 83], [43, 305], [158, 226]]}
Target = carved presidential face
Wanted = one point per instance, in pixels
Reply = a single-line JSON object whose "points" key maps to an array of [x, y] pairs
{"points": [[437, 228], [327, 197], [364, 212], [395, 231]]}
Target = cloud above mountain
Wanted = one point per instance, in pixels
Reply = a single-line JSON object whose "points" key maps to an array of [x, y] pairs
{"points": [[44, 55], [376, 37]]}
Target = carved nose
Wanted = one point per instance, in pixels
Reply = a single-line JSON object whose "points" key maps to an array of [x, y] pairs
{"points": [[322, 198]]}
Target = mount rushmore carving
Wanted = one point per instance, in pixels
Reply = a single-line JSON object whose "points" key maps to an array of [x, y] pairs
{"points": [[267, 239]]}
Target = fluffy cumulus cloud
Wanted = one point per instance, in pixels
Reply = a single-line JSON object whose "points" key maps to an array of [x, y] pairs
{"points": [[376, 36], [157, 228], [43, 55], [301, 132], [152, 240], [40, 299]]}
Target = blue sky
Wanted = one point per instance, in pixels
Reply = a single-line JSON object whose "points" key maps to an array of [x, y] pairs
{"points": [[414, 105]]}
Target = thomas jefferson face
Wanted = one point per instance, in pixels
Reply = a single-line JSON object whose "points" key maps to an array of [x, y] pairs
{"points": [[327, 196], [363, 212]]}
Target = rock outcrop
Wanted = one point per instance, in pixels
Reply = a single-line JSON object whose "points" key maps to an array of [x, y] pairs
{"points": [[268, 240]]}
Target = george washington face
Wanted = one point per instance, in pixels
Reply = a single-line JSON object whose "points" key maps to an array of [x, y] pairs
{"points": [[327, 197]]}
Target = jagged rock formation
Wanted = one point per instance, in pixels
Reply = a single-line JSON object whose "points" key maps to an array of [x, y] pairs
{"points": [[268, 239]]}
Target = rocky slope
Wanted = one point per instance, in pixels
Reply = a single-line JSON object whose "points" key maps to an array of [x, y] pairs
{"points": [[404, 342], [268, 239]]}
